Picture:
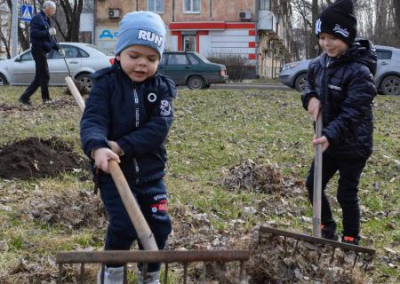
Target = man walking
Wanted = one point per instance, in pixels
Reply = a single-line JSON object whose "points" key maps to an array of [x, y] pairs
{"points": [[42, 40]]}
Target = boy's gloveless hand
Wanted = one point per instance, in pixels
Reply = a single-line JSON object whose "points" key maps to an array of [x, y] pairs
{"points": [[102, 156], [115, 148], [313, 107], [321, 140]]}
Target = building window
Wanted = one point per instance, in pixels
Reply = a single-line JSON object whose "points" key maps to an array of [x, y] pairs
{"points": [[191, 6], [156, 6], [265, 5]]}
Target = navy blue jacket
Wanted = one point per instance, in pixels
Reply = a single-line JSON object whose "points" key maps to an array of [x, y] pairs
{"points": [[137, 116], [40, 37], [345, 87]]}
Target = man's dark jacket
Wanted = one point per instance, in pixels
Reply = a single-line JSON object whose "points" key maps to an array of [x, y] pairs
{"points": [[345, 87], [40, 36], [137, 116]]}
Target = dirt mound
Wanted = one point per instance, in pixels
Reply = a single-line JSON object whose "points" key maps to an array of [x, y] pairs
{"points": [[254, 177], [34, 158]]}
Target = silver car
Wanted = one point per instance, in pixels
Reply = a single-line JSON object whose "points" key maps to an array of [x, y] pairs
{"points": [[83, 59], [387, 77]]}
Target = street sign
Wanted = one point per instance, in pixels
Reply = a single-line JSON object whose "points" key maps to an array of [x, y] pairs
{"points": [[26, 12]]}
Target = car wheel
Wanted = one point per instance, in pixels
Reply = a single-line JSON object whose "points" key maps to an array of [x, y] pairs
{"points": [[195, 83], [391, 85], [3, 80], [85, 81], [300, 83]]}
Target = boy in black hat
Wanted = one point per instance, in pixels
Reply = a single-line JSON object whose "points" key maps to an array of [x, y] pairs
{"points": [[340, 84]]}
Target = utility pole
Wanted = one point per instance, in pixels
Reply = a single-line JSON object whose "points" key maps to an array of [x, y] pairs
{"points": [[14, 28]]}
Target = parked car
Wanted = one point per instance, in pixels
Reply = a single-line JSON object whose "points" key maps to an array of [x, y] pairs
{"points": [[191, 69], [387, 77], [83, 59]]}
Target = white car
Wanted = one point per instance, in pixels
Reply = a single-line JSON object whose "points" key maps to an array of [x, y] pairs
{"points": [[83, 60], [387, 76]]}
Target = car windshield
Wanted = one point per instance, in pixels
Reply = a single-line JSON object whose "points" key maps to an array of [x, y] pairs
{"points": [[106, 52], [203, 58]]}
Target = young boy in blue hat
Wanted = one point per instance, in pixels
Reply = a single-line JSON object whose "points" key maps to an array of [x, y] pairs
{"points": [[127, 118], [340, 84]]}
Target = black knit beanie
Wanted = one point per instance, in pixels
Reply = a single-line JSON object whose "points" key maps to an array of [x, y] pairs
{"points": [[338, 20]]}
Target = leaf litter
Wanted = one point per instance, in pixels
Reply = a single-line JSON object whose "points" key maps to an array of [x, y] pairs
{"points": [[273, 260]]}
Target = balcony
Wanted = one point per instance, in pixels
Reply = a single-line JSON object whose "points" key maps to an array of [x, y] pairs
{"points": [[266, 21]]}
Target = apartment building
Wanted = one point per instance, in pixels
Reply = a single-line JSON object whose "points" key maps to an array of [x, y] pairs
{"points": [[252, 29]]}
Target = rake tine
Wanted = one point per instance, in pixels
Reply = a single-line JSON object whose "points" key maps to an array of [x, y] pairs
{"points": [[284, 244], [60, 270], [82, 273], [203, 278], [144, 271], [241, 274], [125, 274], [166, 273], [355, 260], [184, 273], [103, 270], [333, 254], [295, 247]]}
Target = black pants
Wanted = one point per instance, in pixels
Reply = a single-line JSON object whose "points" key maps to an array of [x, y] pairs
{"points": [[152, 199], [350, 171], [42, 76]]}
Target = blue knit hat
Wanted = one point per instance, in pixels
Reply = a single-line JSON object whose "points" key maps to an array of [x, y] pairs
{"points": [[141, 28]]}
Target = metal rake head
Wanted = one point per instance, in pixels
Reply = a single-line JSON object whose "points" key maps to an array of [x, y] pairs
{"points": [[145, 257]]}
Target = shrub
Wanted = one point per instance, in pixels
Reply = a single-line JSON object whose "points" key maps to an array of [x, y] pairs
{"points": [[238, 67]]}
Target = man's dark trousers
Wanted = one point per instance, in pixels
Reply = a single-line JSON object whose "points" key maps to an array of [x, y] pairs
{"points": [[42, 76], [350, 170]]}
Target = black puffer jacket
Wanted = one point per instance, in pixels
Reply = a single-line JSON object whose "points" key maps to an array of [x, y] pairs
{"points": [[137, 116], [346, 89], [40, 36]]}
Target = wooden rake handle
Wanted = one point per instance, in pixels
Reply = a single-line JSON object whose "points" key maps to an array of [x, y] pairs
{"points": [[317, 190], [143, 231]]}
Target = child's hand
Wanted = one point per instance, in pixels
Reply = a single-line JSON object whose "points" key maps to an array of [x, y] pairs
{"points": [[102, 156], [313, 107], [322, 140], [115, 148]]}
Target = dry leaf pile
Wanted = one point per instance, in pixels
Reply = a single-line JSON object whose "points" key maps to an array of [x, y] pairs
{"points": [[262, 178], [273, 261], [70, 209]]}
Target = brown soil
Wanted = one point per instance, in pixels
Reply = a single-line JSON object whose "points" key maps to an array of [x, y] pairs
{"points": [[34, 158]]}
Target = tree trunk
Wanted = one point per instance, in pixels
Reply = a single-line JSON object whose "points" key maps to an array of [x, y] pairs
{"points": [[396, 4], [72, 18], [314, 50]]}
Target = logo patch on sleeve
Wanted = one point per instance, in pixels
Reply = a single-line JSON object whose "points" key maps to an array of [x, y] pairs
{"points": [[165, 108], [160, 206]]}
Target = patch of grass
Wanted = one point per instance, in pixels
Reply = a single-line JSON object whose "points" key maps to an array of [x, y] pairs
{"points": [[214, 130]]}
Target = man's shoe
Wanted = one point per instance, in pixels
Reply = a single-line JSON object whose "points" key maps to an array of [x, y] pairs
{"points": [[112, 275], [151, 278], [351, 240], [329, 232], [46, 102], [25, 102]]}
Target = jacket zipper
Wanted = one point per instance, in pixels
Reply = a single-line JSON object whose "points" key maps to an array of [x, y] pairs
{"points": [[137, 123]]}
